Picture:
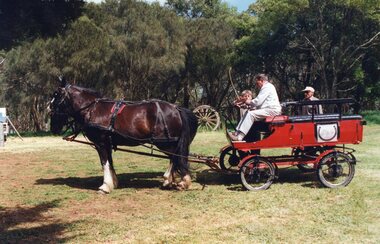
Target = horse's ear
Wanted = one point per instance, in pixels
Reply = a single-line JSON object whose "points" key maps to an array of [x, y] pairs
{"points": [[62, 81]]}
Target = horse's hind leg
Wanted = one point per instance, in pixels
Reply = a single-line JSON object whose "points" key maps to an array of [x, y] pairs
{"points": [[185, 182], [109, 179]]}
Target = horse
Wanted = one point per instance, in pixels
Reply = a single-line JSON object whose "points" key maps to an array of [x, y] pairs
{"points": [[108, 123]]}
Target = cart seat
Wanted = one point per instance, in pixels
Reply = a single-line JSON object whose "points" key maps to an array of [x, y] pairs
{"points": [[258, 131]]}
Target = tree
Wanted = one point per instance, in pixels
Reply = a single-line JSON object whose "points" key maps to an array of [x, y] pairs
{"points": [[146, 48], [27, 83], [26, 20], [209, 43], [319, 43]]}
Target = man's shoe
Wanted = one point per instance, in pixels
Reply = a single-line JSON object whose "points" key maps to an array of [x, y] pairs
{"points": [[233, 136]]}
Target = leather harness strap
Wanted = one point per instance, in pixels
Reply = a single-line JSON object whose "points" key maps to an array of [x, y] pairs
{"points": [[160, 116], [117, 108]]}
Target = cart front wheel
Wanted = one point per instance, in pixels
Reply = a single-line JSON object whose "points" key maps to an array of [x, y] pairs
{"points": [[229, 159], [257, 174], [336, 169]]}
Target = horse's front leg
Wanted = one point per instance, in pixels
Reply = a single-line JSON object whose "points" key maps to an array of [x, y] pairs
{"points": [[168, 176], [109, 175]]}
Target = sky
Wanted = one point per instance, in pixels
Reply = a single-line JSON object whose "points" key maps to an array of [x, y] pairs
{"points": [[241, 5]]}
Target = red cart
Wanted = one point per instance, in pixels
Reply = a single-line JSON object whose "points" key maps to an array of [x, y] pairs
{"points": [[317, 142]]}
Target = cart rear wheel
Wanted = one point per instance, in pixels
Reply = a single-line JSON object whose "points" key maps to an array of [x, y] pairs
{"points": [[257, 174], [336, 169], [208, 117]]}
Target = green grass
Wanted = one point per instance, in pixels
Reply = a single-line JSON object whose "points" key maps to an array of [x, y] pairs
{"points": [[48, 194]]}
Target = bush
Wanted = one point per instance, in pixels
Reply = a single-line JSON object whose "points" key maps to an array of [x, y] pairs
{"points": [[371, 116]]}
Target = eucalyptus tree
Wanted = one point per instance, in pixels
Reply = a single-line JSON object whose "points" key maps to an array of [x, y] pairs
{"points": [[146, 49], [209, 44], [22, 20], [320, 43], [84, 53], [27, 78]]}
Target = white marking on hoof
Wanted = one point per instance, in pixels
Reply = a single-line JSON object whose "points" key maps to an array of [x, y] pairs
{"points": [[104, 188], [167, 184]]}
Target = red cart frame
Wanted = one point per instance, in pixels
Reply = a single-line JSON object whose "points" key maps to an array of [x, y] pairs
{"points": [[317, 143]]}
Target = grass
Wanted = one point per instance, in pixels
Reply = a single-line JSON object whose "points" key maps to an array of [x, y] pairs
{"points": [[48, 194]]}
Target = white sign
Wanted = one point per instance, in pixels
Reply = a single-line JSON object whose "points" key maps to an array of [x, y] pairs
{"points": [[327, 132]]}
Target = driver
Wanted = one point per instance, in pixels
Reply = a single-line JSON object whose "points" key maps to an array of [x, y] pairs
{"points": [[265, 104]]}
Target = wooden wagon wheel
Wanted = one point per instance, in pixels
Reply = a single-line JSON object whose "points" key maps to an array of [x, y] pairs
{"points": [[208, 117]]}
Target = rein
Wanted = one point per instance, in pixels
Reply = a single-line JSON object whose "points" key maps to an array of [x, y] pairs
{"points": [[211, 161]]}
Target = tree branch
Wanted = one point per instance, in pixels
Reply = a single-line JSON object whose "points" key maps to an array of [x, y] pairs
{"points": [[365, 45]]}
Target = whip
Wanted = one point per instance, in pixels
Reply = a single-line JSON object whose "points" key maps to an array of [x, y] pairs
{"points": [[232, 84]]}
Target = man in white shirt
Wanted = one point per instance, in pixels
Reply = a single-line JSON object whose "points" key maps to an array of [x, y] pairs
{"points": [[265, 104]]}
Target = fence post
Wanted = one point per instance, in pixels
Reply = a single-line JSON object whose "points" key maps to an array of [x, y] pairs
{"points": [[1, 135]]}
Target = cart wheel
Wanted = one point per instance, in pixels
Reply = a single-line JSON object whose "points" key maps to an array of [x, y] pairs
{"points": [[257, 174], [336, 169], [208, 117], [229, 159]]}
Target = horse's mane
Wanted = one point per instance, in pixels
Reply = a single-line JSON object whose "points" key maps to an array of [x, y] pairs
{"points": [[105, 99], [88, 90]]}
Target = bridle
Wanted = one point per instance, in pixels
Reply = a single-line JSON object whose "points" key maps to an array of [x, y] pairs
{"points": [[69, 110], [65, 97]]}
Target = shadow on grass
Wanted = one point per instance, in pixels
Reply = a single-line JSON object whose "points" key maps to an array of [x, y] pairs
{"points": [[137, 180], [141, 180], [14, 220], [233, 182]]}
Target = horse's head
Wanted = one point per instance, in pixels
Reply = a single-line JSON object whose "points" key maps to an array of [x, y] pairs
{"points": [[59, 113], [69, 101]]}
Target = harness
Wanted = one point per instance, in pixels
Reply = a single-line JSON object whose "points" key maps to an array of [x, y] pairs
{"points": [[118, 108]]}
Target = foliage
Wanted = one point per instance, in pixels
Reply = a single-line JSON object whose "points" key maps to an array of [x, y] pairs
{"points": [[184, 51], [371, 116], [318, 43], [209, 43], [26, 20], [29, 71]]}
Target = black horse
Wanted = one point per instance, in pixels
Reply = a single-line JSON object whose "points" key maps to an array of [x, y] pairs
{"points": [[108, 123]]}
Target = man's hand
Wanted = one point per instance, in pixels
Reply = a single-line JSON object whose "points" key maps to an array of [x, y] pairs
{"points": [[248, 101], [239, 102]]}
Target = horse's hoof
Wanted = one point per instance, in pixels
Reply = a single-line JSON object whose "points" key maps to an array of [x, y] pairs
{"points": [[105, 189], [102, 192], [168, 186], [181, 186]]}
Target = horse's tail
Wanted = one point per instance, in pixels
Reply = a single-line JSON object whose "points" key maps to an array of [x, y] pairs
{"points": [[189, 129]]}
